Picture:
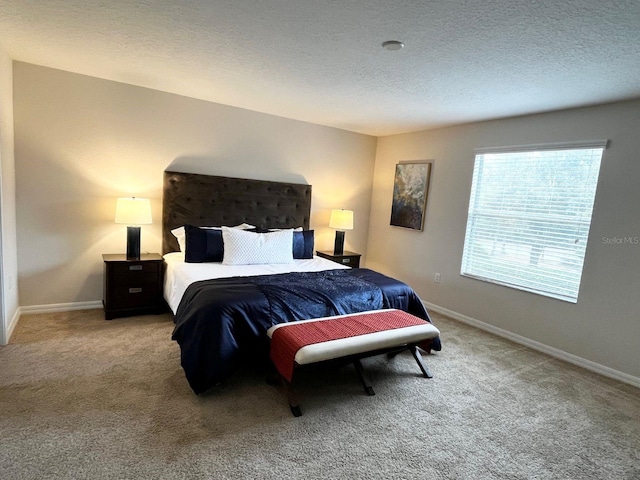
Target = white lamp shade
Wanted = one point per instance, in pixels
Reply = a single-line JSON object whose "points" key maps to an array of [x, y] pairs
{"points": [[133, 211], [341, 219]]}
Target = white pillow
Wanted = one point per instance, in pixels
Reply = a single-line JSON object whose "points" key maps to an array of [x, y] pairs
{"points": [[181, 237], [249, 248]]}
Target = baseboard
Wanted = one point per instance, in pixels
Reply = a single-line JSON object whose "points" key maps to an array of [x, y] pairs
{"points": [[541, 347], [60, 307], [10, 327], [14, 321]]}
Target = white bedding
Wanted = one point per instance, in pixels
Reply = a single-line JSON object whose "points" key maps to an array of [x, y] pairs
{"points": [[180, 275]]}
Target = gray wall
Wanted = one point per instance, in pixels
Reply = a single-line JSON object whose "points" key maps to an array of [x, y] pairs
{"points": [[81, 142], [8, 258], [604, 326]]}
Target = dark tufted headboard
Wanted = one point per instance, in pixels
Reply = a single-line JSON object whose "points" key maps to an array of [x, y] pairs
{"points": [[205, 200]]}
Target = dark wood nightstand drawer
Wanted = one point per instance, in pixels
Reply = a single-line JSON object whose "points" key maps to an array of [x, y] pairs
{"points": [[350, 259], [131, 278], [135, 269], [143, 295]]}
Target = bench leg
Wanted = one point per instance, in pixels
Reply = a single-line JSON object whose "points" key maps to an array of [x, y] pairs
{"points": [[363, 378], [292, 397], [416, 354]]}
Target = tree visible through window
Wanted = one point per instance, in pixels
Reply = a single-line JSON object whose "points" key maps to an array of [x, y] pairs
{"points": [[529, 217]]}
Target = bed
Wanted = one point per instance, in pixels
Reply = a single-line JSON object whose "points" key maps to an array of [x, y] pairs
{"points": [[225, 296]]}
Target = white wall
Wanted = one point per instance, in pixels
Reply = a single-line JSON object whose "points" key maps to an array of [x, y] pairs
{"points": [[8, 256], [81, 142], [604, 326]]}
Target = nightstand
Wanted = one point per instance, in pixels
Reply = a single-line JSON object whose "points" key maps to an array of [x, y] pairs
{"points": [[132, 287], [350, 259]]}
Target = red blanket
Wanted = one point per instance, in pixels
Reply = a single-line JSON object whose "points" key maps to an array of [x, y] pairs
{"points": [[286, 341]]}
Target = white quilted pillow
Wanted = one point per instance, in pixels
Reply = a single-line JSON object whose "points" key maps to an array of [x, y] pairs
{"points": [[249, 248]]}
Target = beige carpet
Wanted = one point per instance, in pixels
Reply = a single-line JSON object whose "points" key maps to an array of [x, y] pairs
{"points": [[81, 397]]}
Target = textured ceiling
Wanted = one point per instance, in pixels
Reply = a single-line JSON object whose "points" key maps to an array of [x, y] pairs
{"points": [[321, 61]]}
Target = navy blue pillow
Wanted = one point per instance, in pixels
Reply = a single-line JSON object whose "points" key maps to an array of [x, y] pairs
{"points": [[303, 244], [203, 245]]}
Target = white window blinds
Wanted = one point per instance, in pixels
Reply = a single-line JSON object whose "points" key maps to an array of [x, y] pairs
{"points": [[529, 216]]}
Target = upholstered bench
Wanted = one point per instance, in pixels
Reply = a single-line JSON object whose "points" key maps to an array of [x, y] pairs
{"points": [[346, 337]]}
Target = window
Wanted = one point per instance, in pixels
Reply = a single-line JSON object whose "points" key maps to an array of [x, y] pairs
{"points": [[529, 216]]}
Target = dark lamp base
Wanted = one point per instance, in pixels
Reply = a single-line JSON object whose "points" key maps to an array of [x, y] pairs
{"points": [[338, 246], [133, 243]]}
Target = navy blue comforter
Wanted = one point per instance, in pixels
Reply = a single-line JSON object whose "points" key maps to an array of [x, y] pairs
{"points": [[220, 323]]}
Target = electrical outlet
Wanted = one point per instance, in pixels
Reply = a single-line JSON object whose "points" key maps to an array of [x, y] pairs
{"points": [[436, 278]]}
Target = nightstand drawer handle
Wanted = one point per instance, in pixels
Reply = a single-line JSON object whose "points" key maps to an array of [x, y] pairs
{"points": [[135, 290], [135, 267], [346, 260]]}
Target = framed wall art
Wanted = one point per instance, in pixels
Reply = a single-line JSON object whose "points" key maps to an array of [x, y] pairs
{"points": [[410, 191]]}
